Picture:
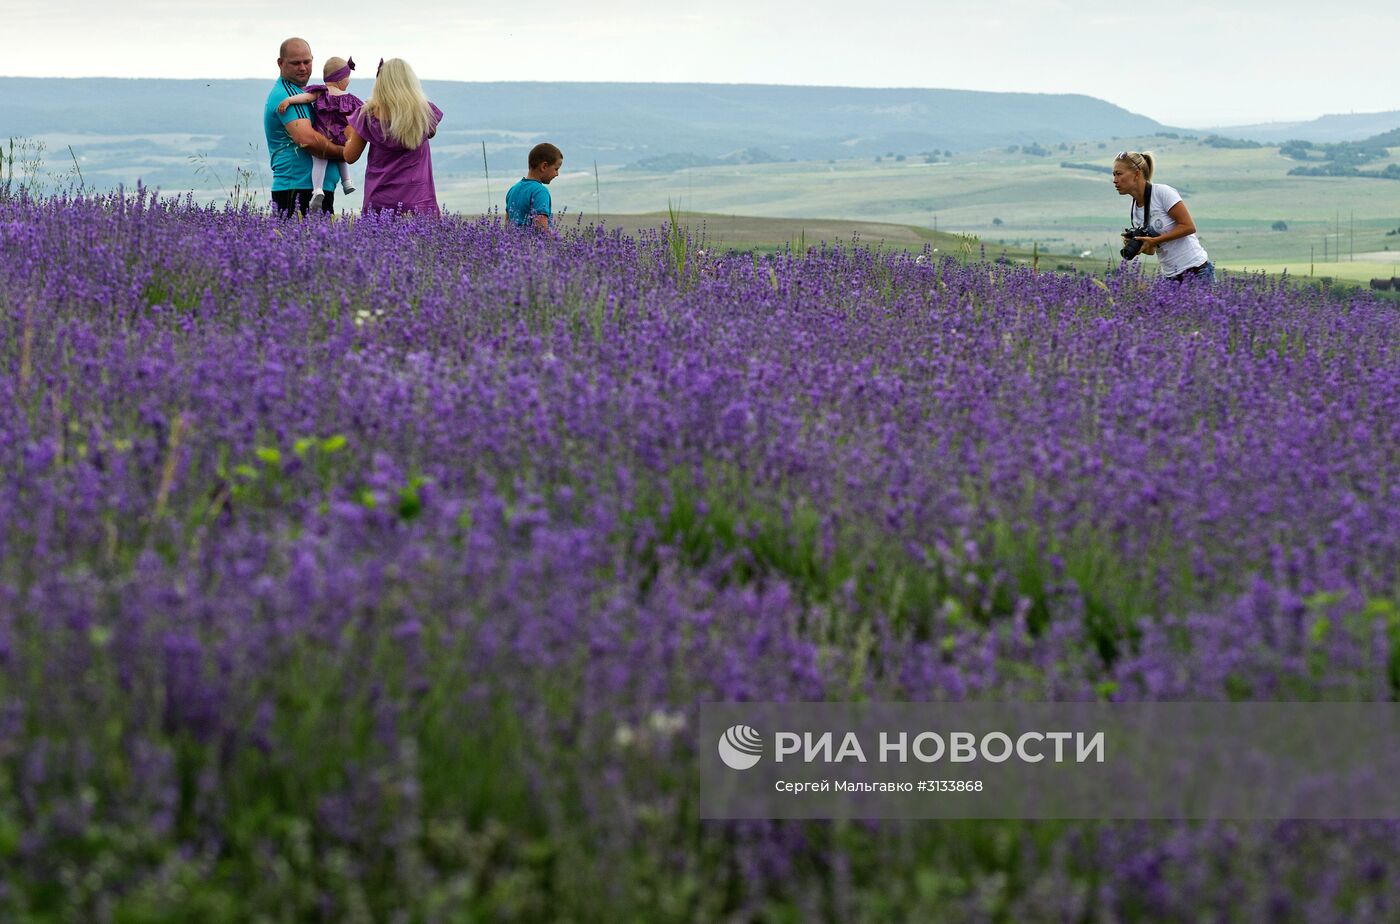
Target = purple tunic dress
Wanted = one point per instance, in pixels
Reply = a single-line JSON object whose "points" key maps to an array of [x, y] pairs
{"points": [[396, 177], [332, 113]]}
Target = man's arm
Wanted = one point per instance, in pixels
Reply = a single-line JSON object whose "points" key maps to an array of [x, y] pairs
{"points": [[302, 133]]}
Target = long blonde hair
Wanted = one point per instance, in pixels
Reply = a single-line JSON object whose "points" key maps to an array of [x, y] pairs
{"points": [[399, 104]]}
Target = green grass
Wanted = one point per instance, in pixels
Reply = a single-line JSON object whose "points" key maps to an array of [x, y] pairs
{"points": [[1360, 271]]}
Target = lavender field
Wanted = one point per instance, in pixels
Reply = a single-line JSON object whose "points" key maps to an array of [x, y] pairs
{"points": [[374, 570]]}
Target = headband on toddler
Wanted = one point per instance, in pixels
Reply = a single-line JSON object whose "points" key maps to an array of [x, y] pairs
{"points": [[341, 74]]}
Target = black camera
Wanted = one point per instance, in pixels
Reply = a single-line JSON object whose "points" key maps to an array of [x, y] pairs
{"points": [[1131, 245]]}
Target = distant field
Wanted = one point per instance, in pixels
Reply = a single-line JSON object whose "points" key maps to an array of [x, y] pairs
{"points": [[1234, 195], [1356, 272], [743, 232], [751, 233]]}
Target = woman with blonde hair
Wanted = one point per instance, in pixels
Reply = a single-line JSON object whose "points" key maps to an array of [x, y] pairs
{"points": [[1160, 223], [395, 123]]}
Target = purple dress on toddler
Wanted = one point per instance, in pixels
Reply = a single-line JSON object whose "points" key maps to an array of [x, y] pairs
{"points": [[332, 113]]}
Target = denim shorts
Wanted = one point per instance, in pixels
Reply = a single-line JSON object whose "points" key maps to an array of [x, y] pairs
{"points": [[1204, 271]]}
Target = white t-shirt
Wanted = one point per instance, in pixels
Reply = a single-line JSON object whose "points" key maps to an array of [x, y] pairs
{"points": [[1180, 255]]}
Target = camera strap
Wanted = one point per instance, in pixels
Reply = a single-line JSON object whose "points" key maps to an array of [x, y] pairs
{"points": [[1146, 208]]}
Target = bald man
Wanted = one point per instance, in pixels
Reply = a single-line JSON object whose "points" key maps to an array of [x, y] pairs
{"points": [[291, 139]]}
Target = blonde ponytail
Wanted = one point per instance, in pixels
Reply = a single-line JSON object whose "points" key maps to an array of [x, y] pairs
{"points": [[1141, 161]]}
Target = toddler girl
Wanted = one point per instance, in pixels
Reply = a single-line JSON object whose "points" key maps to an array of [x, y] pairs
{"points": [[332, 106]]}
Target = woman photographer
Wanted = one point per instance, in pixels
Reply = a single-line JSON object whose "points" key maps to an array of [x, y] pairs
{"points": [[1162, 226]]}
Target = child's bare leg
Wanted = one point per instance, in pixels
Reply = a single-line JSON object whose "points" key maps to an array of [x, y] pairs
{"points": [[345, 176]]}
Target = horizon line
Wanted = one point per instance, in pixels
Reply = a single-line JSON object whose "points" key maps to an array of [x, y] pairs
{"points": [[708, 83]]}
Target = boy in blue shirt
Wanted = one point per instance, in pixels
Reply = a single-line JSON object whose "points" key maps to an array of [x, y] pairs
{"points": [[527, 202]]}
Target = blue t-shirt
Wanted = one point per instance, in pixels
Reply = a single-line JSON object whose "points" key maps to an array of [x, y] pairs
{"points": [[291, 163], [525, 200]]}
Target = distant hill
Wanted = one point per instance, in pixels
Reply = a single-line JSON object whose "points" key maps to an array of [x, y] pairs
{"points": [[1390, 139], [614, 123], [1327, 129]]}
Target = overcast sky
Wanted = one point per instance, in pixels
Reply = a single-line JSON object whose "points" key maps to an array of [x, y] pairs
{"points": [[1191, 63]]}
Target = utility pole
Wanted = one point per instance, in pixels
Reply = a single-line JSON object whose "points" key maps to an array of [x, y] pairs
{"points": [[1312, 259], [1353, 235], [487, 169]]}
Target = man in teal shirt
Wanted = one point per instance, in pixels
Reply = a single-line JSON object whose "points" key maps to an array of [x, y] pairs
{"points": [[291, 138]]}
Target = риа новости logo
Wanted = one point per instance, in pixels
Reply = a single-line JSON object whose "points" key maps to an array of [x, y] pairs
{"points": [[740, 747]]}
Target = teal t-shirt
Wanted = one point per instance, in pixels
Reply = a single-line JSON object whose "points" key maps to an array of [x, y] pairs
{"points": [[525, 200], [291, 164]]}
